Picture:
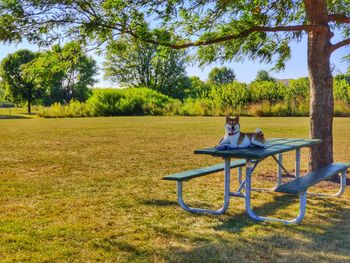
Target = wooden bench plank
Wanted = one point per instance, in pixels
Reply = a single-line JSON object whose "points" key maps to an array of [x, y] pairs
{"points": [[187, 175], [302, 183]]}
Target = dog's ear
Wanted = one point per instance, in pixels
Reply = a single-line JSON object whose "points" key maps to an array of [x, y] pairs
{"points": [[227, 117], [237, 119]]}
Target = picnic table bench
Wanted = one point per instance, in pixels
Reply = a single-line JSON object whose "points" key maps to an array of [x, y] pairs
{"points": [[250, 158]]}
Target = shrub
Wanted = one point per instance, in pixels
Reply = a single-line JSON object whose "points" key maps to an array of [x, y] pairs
{"points": [[196, 107], [105, 102], [267, 91], [299, 87], [197, 88], [130, 101], [341, 109], [143, 101], [263, 98], [2, 93], [174, 107], [73, 109], [280, 109], [229, 98], [260, 109], [114, 102], [341, 89]]}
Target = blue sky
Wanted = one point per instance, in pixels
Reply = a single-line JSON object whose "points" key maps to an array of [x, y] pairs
{"points": [[245, 72]]}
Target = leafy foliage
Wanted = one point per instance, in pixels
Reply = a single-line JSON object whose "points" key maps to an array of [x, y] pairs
{"points": [[130, 101], [19, 86], [2, 93], [231, 95], [342, 90], [66, 73], [263, 75], [222, 75], [267, 90], [147, 65], [196, 21], [73, 109], [197, 88], [258, 99]]}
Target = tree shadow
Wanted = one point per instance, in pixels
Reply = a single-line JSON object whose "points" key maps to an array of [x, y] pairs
{"points": [[159, 202], [310, 241], [239, 221], [11, 117]]}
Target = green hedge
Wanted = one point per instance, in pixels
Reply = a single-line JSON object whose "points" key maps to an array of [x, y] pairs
{"points": [[267, 91], [115, 102], [265, 98], [342, 90]]}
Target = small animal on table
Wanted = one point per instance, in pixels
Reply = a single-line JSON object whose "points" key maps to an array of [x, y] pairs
{"points": [[234, 138]]}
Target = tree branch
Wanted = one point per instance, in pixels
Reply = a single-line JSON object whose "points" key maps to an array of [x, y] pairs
{"points": [[244, 33], [340, 44], [339, 18]]}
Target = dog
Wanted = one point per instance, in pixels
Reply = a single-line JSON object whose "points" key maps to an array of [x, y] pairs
{"points": [[235, 139]]}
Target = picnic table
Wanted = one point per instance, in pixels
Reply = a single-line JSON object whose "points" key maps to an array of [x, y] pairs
{"points": [[250, 158]]}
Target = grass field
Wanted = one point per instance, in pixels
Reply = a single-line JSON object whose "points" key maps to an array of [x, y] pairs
{"points": [[87, 190], [17, 113]]}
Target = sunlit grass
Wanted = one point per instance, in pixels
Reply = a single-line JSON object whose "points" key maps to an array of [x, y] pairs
{"points": [[91, 190], [17, 113]]}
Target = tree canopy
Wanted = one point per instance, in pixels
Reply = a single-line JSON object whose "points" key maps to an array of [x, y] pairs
{"points": [[140, 64], [223, 75], [19, 86], [224, 30], [65, 73], [263, 75]]}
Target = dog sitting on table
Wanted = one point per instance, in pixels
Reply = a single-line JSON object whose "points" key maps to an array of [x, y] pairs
{"points": [[235, 139]]}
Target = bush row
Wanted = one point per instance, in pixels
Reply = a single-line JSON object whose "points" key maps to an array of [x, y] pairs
{"points": [[264, 98], [114, 102]]}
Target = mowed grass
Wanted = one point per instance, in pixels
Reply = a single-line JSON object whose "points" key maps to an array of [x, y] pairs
{"points": [[86, 190], [17, 113]]}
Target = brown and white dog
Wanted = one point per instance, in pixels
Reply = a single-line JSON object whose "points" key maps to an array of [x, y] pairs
{"points": [[235, 139]]}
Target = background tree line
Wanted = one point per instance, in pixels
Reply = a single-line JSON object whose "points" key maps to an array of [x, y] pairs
{"points": [[64, 77], [259, 98], [59, 74], [62, 74]]}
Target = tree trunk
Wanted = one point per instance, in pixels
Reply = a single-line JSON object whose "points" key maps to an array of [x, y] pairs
{"points": [[321, 84], [29, 107]]}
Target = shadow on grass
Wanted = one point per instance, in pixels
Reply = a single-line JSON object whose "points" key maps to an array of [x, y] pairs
{"points": [[238, 222], [318, 238], [158, 202], [10, 117]]}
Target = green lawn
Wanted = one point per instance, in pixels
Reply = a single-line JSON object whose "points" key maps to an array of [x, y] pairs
{"points": [[90, 189], [17, 113]]}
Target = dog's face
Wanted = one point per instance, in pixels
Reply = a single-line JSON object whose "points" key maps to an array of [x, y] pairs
{"points": [[232, 125]]}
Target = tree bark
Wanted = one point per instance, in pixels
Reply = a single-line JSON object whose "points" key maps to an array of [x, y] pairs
{"points": [[321, 84], [29, 107]]}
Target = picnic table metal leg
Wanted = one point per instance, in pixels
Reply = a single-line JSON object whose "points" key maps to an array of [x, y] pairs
{"points": [[208, 211], [251, 213], [297, 163], [239, 175], [342, 184], [279, 170], [341, 189]]}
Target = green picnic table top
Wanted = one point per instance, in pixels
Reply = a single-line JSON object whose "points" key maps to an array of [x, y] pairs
{"points": [[274, 146]]}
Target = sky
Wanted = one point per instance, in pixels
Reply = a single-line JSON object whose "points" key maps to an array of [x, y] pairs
{"points": [[245, 71]]}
